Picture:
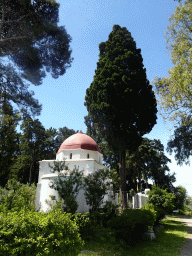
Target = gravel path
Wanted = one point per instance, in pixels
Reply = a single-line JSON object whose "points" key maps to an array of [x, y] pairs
{"points": [[187, 248]]}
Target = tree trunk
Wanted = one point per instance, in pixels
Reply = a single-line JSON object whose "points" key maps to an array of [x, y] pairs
{"points": [[139, 183], [123, 180], [31, 167], [30, 173]]}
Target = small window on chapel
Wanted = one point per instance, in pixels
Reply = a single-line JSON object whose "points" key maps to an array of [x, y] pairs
{"points": [[71, 156], [87, 155]]}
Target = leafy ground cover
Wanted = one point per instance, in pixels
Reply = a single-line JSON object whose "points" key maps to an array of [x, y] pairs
{"points": [[168, 242]]}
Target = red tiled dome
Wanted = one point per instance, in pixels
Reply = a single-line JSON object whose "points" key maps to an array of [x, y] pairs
{"points": [[79, 141]]}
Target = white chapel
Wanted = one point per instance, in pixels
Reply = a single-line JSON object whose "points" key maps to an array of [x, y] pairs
{"points": [[80, 150]]}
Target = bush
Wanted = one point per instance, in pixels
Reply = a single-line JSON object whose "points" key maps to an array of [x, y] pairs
{"points": [[109, 212], [161, 199], [131, 224], [180, 197], [96, 217], [85, 224], [83, 221], [102, 215], [16, 196], [184, 210], [39, 234], [158, 212]]}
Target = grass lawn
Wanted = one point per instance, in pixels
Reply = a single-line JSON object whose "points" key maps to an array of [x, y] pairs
{"points": [[168, 242]]}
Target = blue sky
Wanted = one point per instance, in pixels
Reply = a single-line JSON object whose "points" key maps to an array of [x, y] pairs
{"points": [[89, 22]]}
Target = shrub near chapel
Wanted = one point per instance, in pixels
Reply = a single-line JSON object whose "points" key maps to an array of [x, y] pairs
{"points": [[40, 234], [26, 232], [161, 201], [16, 196], [131, 224]]}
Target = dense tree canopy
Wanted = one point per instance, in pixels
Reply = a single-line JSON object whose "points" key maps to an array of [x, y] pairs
{"points": [[180, 197], [20, 152], [110, 158], [8, 141], [175, 91], [181, 143], [31, 38], [149, 162], [17, 90], [120, 99]]}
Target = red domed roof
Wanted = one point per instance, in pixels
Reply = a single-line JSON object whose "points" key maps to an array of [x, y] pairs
{"points": [[79, 141]]}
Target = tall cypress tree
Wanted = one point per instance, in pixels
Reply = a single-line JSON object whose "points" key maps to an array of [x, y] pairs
{"points": [[120, 99]]}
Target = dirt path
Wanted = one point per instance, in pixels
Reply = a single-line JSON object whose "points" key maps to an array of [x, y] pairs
{"points": [[187, 247]]}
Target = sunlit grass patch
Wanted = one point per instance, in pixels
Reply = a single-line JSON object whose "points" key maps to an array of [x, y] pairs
{"points": [[168, 242]]}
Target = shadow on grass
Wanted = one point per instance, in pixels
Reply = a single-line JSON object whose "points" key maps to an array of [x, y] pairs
{"points": [[168, 242]]}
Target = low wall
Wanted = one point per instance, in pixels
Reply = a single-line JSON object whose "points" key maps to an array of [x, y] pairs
{"points": [[136, 201]]}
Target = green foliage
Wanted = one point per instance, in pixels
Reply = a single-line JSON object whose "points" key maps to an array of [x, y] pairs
{"points": [[85, 222], [17, 90], [111, 158], [36, 143], [97, 218], [69, 187], [180, 197], [180, 143], [132, 192], [86, 225], [54, 204], [131, 224], [151, 208], [8, 140], [149, 162], [95, 186], [33, 146], [16, 196], [158, 212], [120, 84], [120, 75], [109, 207], [109, 210], [34, 233], [161, 198], [162, 201], [188, 200], [175, 91], [39, 26], [184, 210]]}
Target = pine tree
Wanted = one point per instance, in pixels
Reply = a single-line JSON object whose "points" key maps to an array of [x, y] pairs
{"points": [[8, 139], [120, 99], [36, 144], [30, 36]]}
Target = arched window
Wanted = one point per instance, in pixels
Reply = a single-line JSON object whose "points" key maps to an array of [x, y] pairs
{"points": [[71, 156], [87, 155]]}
